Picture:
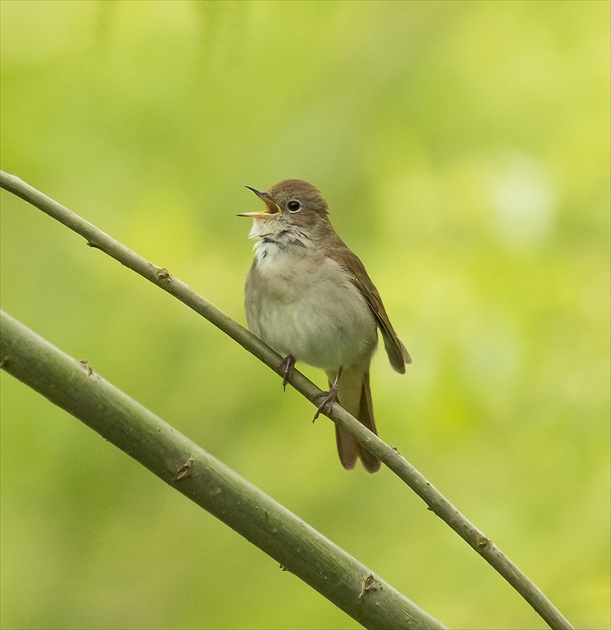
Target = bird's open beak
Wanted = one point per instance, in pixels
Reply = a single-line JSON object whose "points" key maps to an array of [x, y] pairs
{"points": [[271, 208]]}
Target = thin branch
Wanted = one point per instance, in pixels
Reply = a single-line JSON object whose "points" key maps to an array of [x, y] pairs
{"points": [[192, 471], [388, 455]]}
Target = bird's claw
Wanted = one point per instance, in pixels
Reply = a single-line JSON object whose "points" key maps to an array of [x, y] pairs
{"points": [[330, 398], [286, 368]]}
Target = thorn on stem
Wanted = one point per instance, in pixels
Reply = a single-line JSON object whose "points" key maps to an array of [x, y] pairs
{"points": [[87, 367], [483, 542], [184, 470], [370, 583]]}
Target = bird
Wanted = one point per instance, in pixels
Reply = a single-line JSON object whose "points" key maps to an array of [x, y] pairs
{"points": [[309, 297]]}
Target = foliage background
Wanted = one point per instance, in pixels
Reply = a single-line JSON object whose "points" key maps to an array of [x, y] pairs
{"points": [[464, 149]]}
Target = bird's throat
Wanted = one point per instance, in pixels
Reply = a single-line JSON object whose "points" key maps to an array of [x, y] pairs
{"points": [[274, 241]]}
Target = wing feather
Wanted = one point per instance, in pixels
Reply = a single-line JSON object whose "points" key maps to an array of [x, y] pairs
{"points": [[348, 260]]}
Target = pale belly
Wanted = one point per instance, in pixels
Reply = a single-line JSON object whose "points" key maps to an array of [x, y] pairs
{"points": [[316, 315]]}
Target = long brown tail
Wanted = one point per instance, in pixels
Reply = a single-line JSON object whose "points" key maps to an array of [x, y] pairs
{"points": [[354, 394]]}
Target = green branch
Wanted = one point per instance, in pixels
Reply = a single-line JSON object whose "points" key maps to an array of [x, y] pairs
{"points": [[388, 455], [185, 466]]}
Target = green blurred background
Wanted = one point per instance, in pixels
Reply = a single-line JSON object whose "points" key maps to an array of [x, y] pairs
{"points": [[464, 150]]}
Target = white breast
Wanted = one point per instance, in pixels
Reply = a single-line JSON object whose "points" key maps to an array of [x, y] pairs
{"points": [[302, 303]]}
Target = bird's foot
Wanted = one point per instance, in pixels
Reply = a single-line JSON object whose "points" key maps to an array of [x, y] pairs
{"points": [[330, 398], [286, 368]]}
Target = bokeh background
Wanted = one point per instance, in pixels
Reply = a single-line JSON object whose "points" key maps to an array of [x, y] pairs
{"points": [[464, 150]]}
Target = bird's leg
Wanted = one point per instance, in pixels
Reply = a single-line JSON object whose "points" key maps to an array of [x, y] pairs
{"points": [[330, 398], [286, 368]]}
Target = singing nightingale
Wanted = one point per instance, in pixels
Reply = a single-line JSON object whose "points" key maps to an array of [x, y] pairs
{"points": [[309, 298]]}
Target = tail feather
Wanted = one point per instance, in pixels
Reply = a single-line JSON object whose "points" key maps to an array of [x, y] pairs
{"points": [[370, 462], [347, 448], [354, 394]]}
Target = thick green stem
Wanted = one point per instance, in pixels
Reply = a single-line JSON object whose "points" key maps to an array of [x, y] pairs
{"points": [[73, 386]]}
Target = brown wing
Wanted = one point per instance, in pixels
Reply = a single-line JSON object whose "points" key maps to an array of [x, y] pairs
{"points": [[396, 351]]}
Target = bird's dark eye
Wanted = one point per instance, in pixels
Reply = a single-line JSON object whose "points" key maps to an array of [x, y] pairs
{"points": [[293, 205]]}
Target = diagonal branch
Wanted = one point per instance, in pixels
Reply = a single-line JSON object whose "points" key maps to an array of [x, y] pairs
{"points": [[388, 455], [195, 473]]}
